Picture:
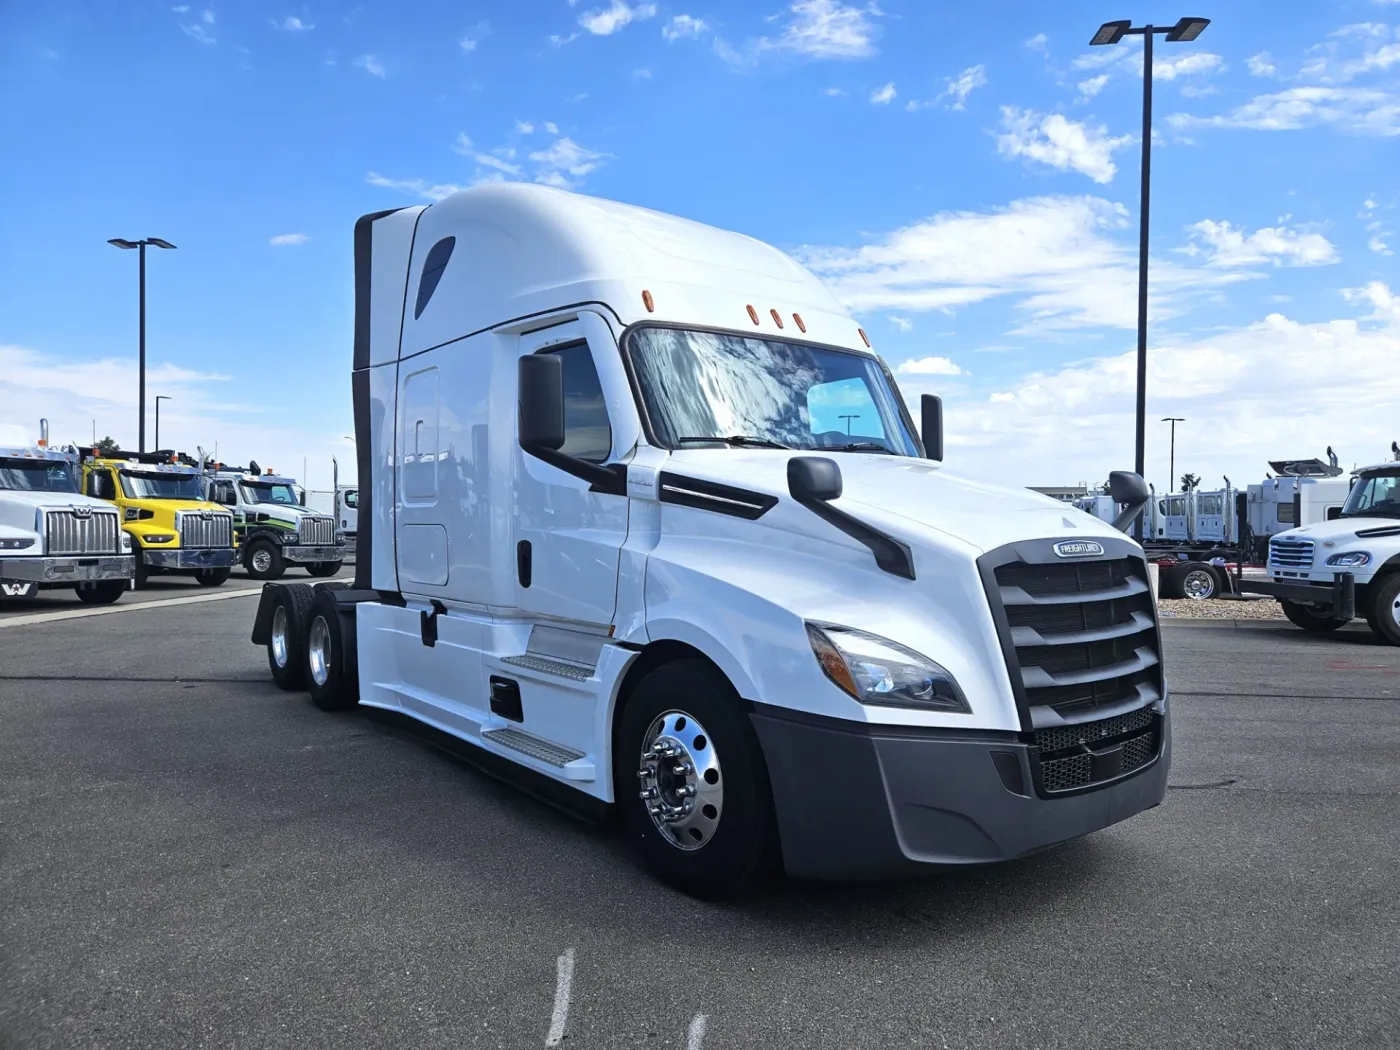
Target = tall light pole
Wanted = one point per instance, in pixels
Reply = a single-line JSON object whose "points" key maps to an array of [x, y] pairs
{"points": [[1171, 470], [1186, 30], [848, 419], [159, 399], [141, 245]]}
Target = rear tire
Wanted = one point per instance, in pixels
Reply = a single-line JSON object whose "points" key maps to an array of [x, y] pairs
{"points": [[1169, 581], [723, 853], [329, 666], [323, 568], [104, 593], [1198, 581], [1384, 617], [286, 642], [264, 561], [1314, 623], [211, 577]]}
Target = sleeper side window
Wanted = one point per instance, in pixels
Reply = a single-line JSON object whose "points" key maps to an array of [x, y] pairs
{"points": [[587, 432], [433, 266]]}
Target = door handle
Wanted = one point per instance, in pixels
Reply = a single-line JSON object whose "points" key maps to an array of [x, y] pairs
{"points": [[417, 431]]}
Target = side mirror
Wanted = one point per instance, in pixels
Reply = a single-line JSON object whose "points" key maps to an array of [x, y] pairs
{"points": [[541, 402], [1131, 491], [813, 479], [932, 426]]}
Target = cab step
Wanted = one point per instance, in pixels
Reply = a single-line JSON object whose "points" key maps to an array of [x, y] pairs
{"points": [[549, 665], [557, 755]]}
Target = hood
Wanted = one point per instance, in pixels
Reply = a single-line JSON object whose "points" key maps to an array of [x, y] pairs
{"points": [[18, 509], [1339, 530], [911, 497], [285, 511]]}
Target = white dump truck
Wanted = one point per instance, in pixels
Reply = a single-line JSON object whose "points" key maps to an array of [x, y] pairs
{"points": [[1328, 573], [649, 527], [274, 529], [51, 535]]}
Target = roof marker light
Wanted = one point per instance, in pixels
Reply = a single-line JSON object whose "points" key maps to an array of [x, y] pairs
{"points": [[863, 337], [800, 326], [777, 318], [648, 301], [753, 315]]}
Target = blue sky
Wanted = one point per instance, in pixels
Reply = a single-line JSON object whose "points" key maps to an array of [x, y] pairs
{"points": [[965, 177]]}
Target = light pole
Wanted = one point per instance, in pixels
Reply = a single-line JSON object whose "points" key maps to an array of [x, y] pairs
{"points": [[141, 245], [159, 399], [848, 419], [1186, 30], [1171, 470]]}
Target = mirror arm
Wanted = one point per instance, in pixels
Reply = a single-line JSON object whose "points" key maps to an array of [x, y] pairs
{"points": [[610, 478]]}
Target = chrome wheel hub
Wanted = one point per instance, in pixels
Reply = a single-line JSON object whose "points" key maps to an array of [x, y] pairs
{"points": [[1198, 584], [680, 780], [1395, 611], [279, 636], [318, 651], [262, 560]]}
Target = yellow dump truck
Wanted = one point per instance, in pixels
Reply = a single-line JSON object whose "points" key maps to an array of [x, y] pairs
{"points": [[173, 529]]}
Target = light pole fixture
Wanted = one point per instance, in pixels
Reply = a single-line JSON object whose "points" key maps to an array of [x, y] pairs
{"points": [[157, 242], [848, 419], [1171, 470], [1185, 30], [159, 399]]}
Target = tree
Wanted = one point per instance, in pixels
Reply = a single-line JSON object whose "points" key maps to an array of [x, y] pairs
{"points": [[1189, 482], [107, 446]]}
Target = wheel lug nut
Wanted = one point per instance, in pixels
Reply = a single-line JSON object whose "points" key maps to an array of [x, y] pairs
{"points": [[649, 793], [680, 769]]}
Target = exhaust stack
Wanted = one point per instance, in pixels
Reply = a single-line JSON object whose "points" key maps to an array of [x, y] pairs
{"points": [[43, 433]]}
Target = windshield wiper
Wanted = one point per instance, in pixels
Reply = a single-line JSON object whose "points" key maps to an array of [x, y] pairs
{"points": [[860, 446], [739, 441]]}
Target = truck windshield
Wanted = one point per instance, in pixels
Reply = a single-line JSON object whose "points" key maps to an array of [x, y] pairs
{"points": [[153, 485], [24, 475], [263, 492], [1375, 495], [747, 392]]}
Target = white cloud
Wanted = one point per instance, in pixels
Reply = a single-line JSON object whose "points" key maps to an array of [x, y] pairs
{"points": [[684, 27], [929, 366], [292, 24], [884, 96], [1225, 245], [371, 65], [207, 16], [1199, 63], [902, 323], [551, 128], [414, 187], [473, 37], [642, 74], [1091, 87], [559, 41], [1066, 262], [1038, 42], [1060, 143], [289, 239], [815, 28], [608, 20], [524, 127], [834, 93], [180, 9], [1261, 65], [565, 163], [1377, 244], [1366, 111], [1353, 51], [964, 84]]}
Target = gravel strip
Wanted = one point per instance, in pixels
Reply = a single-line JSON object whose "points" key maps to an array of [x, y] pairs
{"points": [[1217, 609]]}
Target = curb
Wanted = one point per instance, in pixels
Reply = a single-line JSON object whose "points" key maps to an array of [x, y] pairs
{"points": [[1257, 625]]}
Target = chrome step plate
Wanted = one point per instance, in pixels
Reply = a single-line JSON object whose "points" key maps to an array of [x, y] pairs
{"points": [[526, 744], [545, 665]]}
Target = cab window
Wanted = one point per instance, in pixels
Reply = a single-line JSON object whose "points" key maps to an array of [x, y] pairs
{"points": [[587, 432]]}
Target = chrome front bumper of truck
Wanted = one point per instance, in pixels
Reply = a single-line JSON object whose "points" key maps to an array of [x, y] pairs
{"points": [[303, 555], [202, 558], [861, 801], [74, 569]]}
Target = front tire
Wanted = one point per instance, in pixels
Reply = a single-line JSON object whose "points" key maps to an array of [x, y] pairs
{"points": [[143, 571], [323, 568], [690, 778], [1314, 623], [1198, 582], [211, 577], [264, 560], [330, 668], [104, 593], [286, 640], [1384, 617]]}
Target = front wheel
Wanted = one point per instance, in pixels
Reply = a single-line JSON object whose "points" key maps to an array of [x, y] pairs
{"points": [[1199, 582], [264, 561], [104, 593], [211, 577], [1384, 617], [695, 796], [1312, 622], [323, 568]]}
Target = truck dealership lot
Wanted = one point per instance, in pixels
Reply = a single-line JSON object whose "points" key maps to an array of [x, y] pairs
{"points": [[193, 858]]}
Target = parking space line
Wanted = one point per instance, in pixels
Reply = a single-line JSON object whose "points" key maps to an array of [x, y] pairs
{"points": [[107, 610], [695, 1039], [561, 999]]}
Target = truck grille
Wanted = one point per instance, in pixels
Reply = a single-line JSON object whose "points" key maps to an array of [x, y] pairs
{"points": [[1081, 642], [1290, 554], [68, 532], [316, 532], [204, 529]]}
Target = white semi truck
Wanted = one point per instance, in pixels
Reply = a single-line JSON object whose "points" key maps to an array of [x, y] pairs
{"points": [[1328, 573], [51, 535], [620, 545]]}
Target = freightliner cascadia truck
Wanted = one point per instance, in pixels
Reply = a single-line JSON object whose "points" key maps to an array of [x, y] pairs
{"points": [[645, 524]]}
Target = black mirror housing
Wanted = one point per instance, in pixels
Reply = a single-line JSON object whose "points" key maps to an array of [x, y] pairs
{"points": [[541, 402], [1129, 490], [931, 409], [814, 479]]}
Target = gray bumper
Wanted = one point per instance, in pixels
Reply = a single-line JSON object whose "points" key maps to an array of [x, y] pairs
{"points": [[200, 558], [1337, 597], [302, 555], [855, 801], [74, 569]]}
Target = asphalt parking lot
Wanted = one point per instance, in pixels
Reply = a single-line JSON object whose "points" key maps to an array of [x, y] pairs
{"points": [[191, 858]]}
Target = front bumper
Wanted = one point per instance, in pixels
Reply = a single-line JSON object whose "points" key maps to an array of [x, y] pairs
{"points": [[1339, 596], [75, 569], [199, 558], [857, 801], [301, 555]]}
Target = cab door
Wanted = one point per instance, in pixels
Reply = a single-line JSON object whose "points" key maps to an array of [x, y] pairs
{"points": [[568, 534]]}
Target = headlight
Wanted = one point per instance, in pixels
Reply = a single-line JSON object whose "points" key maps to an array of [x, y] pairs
{"points": [[160, 537], [877, 671], [126, 543], [1350, 558], [16, 544]]}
